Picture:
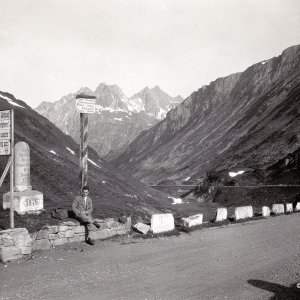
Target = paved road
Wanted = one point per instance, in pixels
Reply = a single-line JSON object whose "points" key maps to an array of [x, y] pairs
{"points": [[254, 260]]}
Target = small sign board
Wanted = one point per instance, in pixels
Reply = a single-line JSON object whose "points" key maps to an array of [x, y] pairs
{"points": [[86, 106], [5, 132], [4, 147]]}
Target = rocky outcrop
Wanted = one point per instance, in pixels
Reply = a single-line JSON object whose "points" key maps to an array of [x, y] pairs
{"points": [[248, 120]]}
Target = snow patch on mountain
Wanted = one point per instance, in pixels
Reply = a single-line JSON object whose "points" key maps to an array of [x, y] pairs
{"points": [[70, 150], [10, 101]]}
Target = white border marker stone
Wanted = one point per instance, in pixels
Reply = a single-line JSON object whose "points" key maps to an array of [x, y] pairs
{"points": [[266, 211], [289, 208], [243, 212], [193, 220], [221, 214], [278, 209], [162, 223]]}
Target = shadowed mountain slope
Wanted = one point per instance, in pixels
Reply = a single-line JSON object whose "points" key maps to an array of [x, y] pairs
{"points": [[245, 121]]}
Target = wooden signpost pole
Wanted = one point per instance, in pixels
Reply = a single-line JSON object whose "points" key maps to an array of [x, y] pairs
{"points": [[83, 149], [12, 221], [85, 105]]}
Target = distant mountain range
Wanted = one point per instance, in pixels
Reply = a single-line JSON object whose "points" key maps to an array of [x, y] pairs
{"points": [[118, 119], [247, 121]]}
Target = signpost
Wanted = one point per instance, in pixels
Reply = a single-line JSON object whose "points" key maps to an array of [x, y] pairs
{"points": [[85, 105], [7, 149]]}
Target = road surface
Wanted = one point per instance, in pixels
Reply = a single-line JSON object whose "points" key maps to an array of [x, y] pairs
{"points": [[253, 260]]}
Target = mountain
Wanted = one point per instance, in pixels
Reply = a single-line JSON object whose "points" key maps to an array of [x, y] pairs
{"points": [[55, 172], [247, 121], [118, 119], [156, 102]]}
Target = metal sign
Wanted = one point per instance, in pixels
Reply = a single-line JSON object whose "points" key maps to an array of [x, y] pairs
{"points": [[4, 147], [86, 106], [5, 132]]}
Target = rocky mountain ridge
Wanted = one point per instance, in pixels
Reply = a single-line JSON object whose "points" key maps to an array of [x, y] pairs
{"points": [[246, 121], [118, 119]]}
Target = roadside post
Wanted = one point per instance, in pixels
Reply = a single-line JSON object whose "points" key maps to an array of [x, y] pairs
{"points": [[7, 149], [85, 105]]}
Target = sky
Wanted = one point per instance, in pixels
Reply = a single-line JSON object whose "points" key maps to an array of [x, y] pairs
{"points": [[51, 48]]}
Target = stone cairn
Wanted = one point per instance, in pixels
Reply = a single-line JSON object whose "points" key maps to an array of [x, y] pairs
{"points": [[26, 200]]}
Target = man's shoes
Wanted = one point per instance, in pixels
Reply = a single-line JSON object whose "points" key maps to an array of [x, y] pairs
{"points": [[89, 241], [96, 224]]}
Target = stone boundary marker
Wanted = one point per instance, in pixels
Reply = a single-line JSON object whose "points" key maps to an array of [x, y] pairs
{"points": [[243, 212], [289, 208], [221, 215], [141, 228], [278, 209], [193, 220], [162, 223], [266, 212], [297, 208]]}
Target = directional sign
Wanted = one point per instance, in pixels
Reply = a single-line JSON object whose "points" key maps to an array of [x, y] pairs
{"points": [[5, 132], [4, 147], [86, 106], [5, 115]]}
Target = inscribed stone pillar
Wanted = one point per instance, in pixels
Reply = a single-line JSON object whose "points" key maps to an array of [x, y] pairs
{"points": [[22, 167], [26, 200]]}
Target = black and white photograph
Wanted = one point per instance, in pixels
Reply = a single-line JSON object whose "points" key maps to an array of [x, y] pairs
{"points": [[149, 149]]}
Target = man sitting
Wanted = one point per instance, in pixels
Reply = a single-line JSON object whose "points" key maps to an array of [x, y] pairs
{"points": [[83, 207]]}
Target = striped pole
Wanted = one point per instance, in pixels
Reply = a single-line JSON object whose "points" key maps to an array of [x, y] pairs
{"points": [[86, 105], [83, 148]]}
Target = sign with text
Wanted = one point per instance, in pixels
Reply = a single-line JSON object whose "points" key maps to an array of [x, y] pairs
{"points": [[5, 132], [86, 106]]}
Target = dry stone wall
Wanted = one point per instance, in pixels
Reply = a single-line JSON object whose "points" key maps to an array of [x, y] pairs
{"points": [[16, 243]]}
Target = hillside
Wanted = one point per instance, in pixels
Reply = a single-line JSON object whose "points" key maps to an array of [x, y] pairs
{"points": [[55, 173], [118, 119], [246, 121]]}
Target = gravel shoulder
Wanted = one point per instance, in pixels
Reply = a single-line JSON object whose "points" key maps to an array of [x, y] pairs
{"points": [[253, 260]]}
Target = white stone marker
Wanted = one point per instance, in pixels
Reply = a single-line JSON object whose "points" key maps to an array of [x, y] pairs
{"points": [[278, 209], [25, 199], [297, 208], [243, 212], [22, 167], [266, 211], [289, 208], [142, 228], [221, 214], [193, 220], [162, 223]]}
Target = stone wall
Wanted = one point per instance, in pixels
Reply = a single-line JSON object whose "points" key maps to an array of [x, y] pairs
{"points": [[15, 243]]}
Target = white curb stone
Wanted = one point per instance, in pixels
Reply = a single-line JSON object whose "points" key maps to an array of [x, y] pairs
{"points": [[278, 209], [266, 211], [297, 208], [243, 212], [193, 220], [162, 223], [289, 208], [221, 214], [142, 228]]}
